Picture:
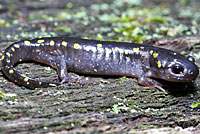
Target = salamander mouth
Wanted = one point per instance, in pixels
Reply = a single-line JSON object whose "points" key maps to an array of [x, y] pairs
{"points": [[182, 79]]}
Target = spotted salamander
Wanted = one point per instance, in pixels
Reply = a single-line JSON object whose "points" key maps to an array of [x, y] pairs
{"points": [[99, 58]]}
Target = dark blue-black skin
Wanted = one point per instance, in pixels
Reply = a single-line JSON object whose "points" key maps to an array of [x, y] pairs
{"points": [[98, 58]]}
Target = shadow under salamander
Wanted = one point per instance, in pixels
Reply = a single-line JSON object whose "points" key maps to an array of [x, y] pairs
{"points": [[178, 88]]}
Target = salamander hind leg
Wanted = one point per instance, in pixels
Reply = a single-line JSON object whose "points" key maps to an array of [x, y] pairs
{"points": [[145, 81]]}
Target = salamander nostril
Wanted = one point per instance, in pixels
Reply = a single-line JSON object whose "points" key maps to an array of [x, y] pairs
{"points": [[190, 58]]}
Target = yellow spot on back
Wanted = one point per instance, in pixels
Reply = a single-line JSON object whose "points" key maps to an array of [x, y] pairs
{"points": [[2, 57], [8, 54], [40, 41], [116, 48], [26, 79], [40, 83], [64, 43], [126, 52], [26, 42], [16, 46], [174, 53], [155, 55], [13, 49], [76, 46], [99, 45], [51, 43], [151, 52], [159, 64], [136, 49], [11, 71]]}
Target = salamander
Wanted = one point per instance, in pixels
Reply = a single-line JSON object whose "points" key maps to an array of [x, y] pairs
{"points": [[65, 54]]}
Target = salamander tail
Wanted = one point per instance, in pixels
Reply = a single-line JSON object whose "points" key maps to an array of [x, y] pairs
{"points": [[8, 60]]}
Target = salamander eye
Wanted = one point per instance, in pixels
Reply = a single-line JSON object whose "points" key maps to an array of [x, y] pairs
{"points": [[177, 69], [190, 58]]}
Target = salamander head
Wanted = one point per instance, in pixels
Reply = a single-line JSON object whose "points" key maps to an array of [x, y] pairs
{"points": [[174, 67]]}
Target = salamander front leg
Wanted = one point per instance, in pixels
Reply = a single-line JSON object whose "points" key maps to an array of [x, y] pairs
{"points": [[63, 74], [145, 81]]}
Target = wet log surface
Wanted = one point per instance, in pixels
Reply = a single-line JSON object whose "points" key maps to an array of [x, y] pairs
{"points": [[94, 104]]}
